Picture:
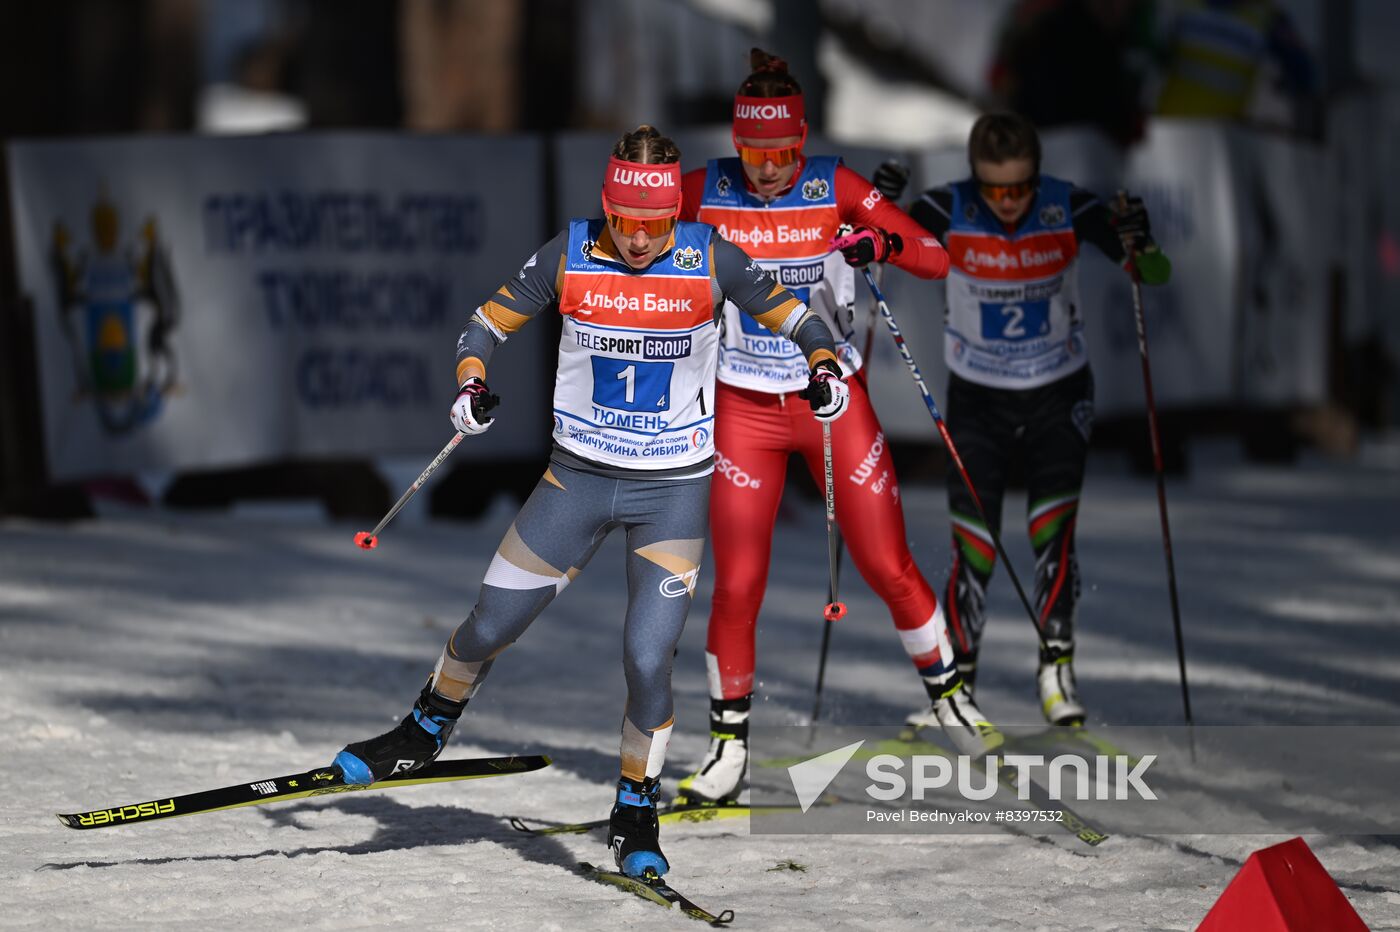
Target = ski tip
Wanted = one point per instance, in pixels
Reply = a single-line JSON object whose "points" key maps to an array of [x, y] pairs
{"points": [[366, 540], [519, 825]]}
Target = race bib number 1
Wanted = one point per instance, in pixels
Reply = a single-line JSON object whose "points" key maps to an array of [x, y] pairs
{"points": [[631, 385]]}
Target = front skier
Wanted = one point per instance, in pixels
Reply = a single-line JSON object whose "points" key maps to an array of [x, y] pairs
{"points": [[1019, 384], [785, 209], [634, 406]]}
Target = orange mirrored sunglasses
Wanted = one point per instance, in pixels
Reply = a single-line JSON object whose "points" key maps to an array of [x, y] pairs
{"points": [[1015, 190], [779, 157], [628, 226]]}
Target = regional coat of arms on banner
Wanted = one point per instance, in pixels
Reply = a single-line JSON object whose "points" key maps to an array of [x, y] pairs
{"points": [[117, 308]]}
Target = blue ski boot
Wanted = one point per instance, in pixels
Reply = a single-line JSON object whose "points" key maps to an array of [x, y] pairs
{"points": [[417, 741], [633, 830]]}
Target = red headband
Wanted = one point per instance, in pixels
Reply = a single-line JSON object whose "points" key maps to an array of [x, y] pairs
{"points": [[769, 117], [643, 187]]}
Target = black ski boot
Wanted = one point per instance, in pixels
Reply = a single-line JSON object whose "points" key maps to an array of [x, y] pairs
{"points": [[417, 740], [633, 830]]}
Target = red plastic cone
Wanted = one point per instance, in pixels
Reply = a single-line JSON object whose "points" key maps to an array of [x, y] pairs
{"points": [[1282, 889]]}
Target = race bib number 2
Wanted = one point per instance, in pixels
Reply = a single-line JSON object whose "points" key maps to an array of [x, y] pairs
{"points": [[1024, 321]]}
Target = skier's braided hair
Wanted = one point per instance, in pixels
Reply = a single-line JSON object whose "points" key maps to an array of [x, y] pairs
{"points": [[646, 146], [770, 77]]}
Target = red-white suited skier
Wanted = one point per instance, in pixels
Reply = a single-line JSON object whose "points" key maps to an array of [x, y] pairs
{"points": [[784, 209]]}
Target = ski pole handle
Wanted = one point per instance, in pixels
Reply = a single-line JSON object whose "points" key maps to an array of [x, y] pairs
{"points": [[841, 242]]}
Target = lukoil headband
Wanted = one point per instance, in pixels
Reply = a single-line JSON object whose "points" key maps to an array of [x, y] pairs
{"points": [[640, 186], [769, 117]]}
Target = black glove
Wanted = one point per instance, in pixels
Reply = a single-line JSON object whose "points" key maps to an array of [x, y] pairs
{"points": [[865, 245], [891, 178], [826, 392], [1130, 221]]}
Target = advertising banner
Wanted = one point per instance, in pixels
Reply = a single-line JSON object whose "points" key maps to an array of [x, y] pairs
{"points": [[213, 302], [1283, 330], [1185, 173]]}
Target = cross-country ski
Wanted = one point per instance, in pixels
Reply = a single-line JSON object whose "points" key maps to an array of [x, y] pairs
{"points": [[320, 782]]}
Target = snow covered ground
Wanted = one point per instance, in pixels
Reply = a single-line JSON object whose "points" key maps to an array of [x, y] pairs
{"points": [[151, 653]]}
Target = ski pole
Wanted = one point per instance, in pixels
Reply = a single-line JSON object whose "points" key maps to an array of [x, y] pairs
{"points": [[370, 539], [835, 609], [952, 450], [1155, 435], [865, 360]]}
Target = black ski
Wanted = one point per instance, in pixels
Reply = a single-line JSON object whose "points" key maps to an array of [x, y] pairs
{"points": [[658, 891], [678, 811], [320, 782]]}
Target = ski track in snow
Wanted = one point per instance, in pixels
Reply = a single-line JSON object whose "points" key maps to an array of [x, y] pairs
{"points": [[150, 653]]}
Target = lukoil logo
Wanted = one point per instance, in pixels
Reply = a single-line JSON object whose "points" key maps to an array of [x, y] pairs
{"points": [[761, 112], [893, 777], [643, 179], [872, 459]]}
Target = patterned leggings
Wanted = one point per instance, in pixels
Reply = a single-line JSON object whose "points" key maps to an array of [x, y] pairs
{"points": [[558, 530]]}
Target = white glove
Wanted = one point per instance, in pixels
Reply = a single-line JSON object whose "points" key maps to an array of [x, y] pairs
{"points": [[826, 393], [474, 400]]}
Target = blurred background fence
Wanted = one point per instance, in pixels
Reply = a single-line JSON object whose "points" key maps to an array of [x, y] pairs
{"points": [[240, 236]]}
